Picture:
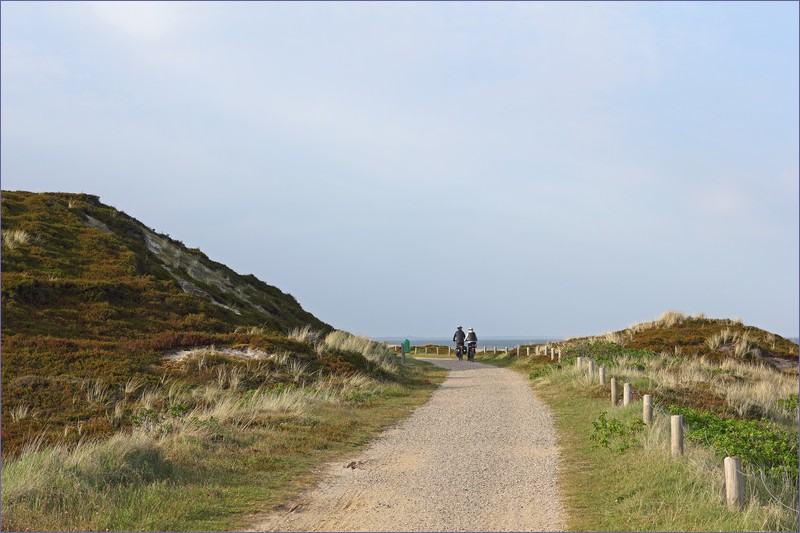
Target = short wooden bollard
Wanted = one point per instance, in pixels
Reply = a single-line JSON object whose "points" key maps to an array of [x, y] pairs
{"points": [[676, 423], [734, 486], [529, 351], [517, 351], [602, 375], [591, 371], [647, 409], [626, 394], [613, 392], [559, 354], [578, 361], [495, 349], [415, 350], [552, 357]]}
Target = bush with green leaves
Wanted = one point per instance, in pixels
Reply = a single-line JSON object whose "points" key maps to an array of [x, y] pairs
{"points": [[755, 441], [615, 434], [607, 353]]}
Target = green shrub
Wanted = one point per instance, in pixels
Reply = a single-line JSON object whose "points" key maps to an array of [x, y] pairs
{"points": [[606, 353], [755, 441], [790, 403], [614, 434]]}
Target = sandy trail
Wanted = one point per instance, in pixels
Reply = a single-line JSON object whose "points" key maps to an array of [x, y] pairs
{"points": [[479, 456]]}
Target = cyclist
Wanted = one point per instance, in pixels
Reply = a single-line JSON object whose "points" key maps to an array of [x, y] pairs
{"points": [[472, 343], [458, 338]]}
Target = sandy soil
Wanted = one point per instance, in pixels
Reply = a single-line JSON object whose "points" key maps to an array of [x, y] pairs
{"points": [[481, 455]]}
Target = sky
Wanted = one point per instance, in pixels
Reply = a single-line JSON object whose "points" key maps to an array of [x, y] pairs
{"points": [[543, 169]]}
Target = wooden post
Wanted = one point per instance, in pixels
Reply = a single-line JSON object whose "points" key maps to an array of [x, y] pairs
{"points": [[415, 350], [559, 356], [437, 350], [676, 422], [517, 350], [529, 351], [734, 486], [626, 394], [578, 362], [495, 349], [613, 392], [647, 409], [591, 371], [602, 375], [552, 357]]}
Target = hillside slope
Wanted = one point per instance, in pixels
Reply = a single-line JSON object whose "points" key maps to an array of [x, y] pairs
{"points": [[90, 293], [74, 267]]}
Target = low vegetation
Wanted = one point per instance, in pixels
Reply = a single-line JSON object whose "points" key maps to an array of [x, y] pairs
{"points": [[618, 473], [222, 433]]}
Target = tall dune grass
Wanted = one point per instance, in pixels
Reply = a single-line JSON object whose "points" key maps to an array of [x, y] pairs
{"points": [[14, 238]]}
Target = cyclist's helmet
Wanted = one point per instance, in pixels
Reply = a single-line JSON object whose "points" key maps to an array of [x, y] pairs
{"points": [[470, 329], [459, 327]]}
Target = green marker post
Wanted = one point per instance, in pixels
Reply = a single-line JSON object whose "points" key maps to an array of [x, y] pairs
{"points": [[406, 349]]}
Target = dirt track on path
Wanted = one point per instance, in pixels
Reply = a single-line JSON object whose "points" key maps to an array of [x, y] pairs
{"points": [[479, 456]]}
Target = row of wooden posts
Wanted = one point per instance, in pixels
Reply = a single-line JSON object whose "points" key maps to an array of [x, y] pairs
{"points": [[734, 485], [537, 350]]}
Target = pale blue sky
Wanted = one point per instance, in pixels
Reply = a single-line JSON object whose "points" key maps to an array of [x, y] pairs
{"points": [[532, 168]]}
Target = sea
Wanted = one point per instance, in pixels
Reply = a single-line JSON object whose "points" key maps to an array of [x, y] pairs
{"points": [[488, 342]]}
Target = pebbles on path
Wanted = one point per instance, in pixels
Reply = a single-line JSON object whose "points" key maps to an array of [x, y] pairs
{"points": [[480, 455]]}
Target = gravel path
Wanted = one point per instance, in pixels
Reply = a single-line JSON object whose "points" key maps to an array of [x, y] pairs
{"points": [[480, 455]]}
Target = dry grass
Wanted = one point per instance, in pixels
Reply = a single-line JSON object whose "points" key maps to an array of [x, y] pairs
{"points": [[14, 238]]}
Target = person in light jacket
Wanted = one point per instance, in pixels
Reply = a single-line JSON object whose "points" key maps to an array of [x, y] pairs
{"points": [[472, 344]]}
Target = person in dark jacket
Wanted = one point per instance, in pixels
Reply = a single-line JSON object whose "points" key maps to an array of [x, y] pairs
{"points": [[458, 338], [472, 343]]}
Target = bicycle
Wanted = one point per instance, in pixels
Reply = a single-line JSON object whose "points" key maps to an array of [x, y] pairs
{"points": [[471, 348], [460, 351]]}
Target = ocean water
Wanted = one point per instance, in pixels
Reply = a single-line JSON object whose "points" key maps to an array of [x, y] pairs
{"points": [[489, 342]]}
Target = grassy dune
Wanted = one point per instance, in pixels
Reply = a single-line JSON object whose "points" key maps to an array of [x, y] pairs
{"points": [[618, 474], [214, 441]]}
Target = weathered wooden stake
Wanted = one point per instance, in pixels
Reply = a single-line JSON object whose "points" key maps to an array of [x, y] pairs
{"points": [[734, 486], [495, 349], [578, 362], [676, 422], [647, 409], [626, 394], [517, 351], [613, 392], [591, 371], [602, 375], [529, 351]]}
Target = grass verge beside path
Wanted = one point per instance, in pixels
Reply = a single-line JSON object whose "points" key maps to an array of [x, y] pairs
{"points": [[138, 482], [641, 488]]}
